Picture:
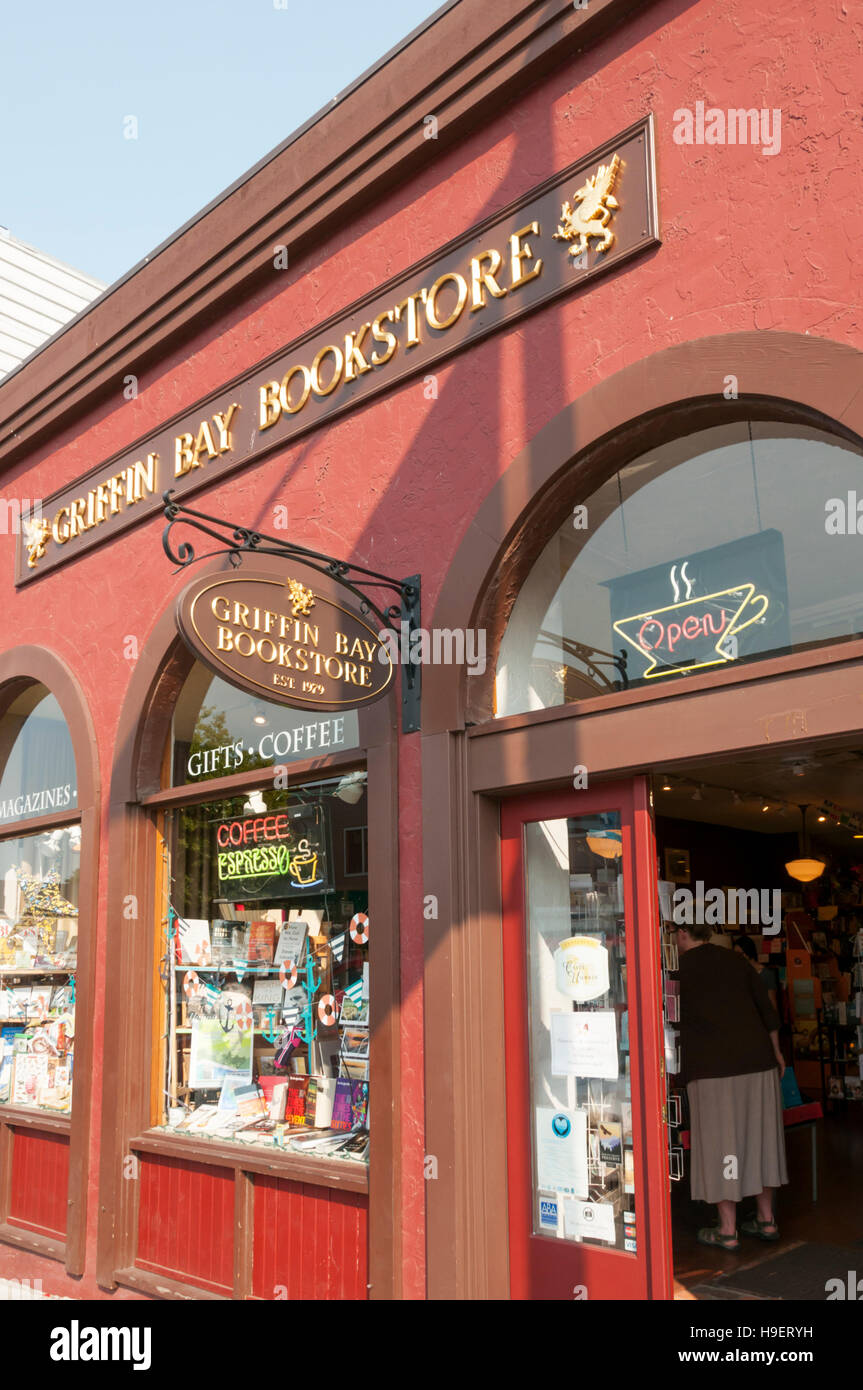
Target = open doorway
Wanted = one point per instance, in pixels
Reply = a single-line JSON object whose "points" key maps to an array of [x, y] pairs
{"points": [[725, 834]]}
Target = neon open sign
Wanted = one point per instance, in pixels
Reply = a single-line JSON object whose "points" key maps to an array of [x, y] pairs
{"points": [[714, 607], [698, 632]]}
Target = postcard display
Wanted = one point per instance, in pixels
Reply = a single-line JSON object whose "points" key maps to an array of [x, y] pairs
{"points": [[676, 1106], [38, 952], [268, 1002], [582, 1140]]}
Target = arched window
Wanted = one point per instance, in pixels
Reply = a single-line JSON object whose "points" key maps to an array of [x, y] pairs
{"points": [[722, 547], [40, 855]]}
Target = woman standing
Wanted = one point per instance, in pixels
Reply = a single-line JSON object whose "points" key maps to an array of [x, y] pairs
{"points": [[732, 1066]]}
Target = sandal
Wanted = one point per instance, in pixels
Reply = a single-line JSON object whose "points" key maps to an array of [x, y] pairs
{"points": [[756, 1228], [711, 1235]]}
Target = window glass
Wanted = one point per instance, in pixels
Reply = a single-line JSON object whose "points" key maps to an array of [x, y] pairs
{"points": [[39, 876], [219, 730], [37, 759], [581, 1133], [716, 549], [265, 969]]}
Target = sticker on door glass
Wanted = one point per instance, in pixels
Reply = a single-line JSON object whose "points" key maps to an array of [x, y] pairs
{"points": [[561, 1150], [581, 968], [547, 1214], [593, 1220]]}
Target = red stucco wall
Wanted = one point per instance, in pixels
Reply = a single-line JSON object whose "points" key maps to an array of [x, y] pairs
{"points": [[749, 242]]}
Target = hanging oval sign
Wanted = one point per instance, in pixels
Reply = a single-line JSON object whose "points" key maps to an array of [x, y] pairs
{"points": [[284, 641]]}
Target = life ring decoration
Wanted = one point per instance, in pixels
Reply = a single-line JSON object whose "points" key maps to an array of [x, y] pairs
{"points": [[191, 984], [243, 1016], [288, 974], [327, 1011], [202, 954], [360, 928]]}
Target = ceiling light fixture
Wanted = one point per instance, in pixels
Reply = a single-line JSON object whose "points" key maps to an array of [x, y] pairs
{"points": [[606, 843], [351, 788], [805, 869]]}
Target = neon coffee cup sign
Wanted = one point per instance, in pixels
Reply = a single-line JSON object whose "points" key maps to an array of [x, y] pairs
{"points": [[714, 607]]}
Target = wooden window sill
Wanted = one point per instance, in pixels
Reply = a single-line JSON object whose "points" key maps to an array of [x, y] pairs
{"points": [[344, 1175], [31, 1117]]}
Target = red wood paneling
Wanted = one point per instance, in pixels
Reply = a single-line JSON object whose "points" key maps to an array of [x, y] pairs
{"points": [[186, 1222], [40, 1182], [310, 1242]]}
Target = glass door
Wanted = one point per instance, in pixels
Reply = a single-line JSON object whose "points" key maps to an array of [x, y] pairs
{"points": [[587, 1144]]}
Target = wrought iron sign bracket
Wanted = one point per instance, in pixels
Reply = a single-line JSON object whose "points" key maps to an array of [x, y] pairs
{"points": [[401, 618]]}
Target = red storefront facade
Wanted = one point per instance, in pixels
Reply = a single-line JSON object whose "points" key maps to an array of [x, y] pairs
{"points": [[454, 472]]}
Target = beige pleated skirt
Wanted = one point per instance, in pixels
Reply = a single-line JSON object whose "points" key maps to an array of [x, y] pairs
{"points": [[737, 1136]]}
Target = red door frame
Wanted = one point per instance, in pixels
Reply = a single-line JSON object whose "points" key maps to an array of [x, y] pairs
{"points": [[543, 1266]]}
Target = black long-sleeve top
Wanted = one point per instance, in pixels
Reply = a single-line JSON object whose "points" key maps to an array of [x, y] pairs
{"points": [[726, 1015]]}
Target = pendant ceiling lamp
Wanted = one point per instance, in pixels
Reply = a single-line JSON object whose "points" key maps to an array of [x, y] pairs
{"points": [[607, 843], [805, 869]]}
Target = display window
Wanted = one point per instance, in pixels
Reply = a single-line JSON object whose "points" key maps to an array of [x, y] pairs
{"points": [[39, 883], [263, 942], [716, 549]]}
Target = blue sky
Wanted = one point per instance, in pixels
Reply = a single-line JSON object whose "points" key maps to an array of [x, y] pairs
{"points": [[214, 87]]}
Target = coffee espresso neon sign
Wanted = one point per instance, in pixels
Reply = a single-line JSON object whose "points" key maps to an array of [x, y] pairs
{"points": [[272, 856]]}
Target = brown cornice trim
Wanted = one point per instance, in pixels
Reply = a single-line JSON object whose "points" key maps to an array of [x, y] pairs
{"points": [[459, 69]]}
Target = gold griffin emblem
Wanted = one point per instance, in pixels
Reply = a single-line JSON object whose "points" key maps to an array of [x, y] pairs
{"points": [[302, 599], [36, 533], [596, 206]]}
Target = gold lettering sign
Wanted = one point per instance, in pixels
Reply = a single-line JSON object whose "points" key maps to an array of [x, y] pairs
{"points": [[592, 216], [283, 641]]}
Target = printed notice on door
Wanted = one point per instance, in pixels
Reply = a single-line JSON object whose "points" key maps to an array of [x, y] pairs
{"points": [[561, 1150], [585, 1044]]}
